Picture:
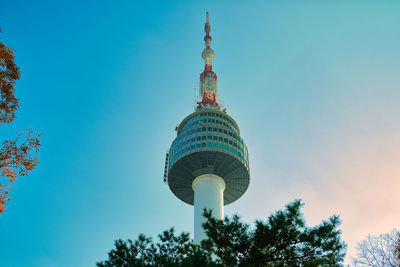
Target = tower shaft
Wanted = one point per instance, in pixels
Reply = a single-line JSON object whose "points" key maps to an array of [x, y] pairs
{"points": [[208, 194]]}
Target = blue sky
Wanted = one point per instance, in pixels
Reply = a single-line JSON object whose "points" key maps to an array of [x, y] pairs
{"points": [[313, 85]]}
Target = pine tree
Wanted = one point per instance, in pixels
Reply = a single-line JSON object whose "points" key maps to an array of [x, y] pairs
{"points": [[282, 240]]}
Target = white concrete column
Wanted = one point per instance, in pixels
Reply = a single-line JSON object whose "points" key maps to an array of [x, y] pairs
{"points": [[208, 193]]}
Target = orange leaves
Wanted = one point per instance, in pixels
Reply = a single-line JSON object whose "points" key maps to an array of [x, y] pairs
{"points": [[9, 73], [15, 157], [4, 196], [7, 171]]}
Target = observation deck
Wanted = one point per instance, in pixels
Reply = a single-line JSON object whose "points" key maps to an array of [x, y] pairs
{"points": [[208, 142]]}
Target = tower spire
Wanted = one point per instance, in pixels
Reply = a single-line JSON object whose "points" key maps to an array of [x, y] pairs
{"points": [[207, 29], [208, 78]]}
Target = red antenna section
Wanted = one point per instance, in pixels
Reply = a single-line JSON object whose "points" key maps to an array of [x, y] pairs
{"points": [[208, 78]]}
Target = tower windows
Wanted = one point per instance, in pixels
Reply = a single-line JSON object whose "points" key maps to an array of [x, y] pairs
{"points": [[207, 118], [222, 135]]}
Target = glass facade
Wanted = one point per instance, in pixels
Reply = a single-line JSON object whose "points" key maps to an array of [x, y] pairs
{"points": [[208, 131], [213, 118]]}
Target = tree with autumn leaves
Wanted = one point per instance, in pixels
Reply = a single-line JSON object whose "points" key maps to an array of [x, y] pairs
{"points": [[16, 154]]}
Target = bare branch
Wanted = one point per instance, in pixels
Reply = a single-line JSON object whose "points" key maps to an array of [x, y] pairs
{"points": [[379, 251]]}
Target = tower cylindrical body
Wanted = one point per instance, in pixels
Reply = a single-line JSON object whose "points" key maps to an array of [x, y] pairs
{"points": [[208, 193]]}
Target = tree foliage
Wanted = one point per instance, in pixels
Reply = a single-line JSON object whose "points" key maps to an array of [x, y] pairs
{"points": [[15, 155], [379, 251], [171, 250], [9, 73], [282, 240]]}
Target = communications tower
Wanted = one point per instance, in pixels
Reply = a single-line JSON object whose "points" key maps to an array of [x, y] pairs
{"points": [[208, 164]]}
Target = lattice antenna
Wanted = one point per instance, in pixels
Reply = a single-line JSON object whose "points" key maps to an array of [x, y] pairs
{"points": [[208, 79]]}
